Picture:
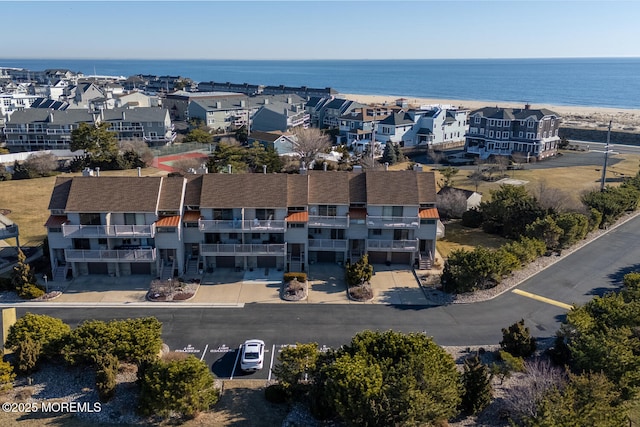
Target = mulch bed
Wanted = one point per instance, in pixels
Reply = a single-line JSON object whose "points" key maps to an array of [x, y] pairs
{"points": [[294, 291], [161, 291], [361, 293]]}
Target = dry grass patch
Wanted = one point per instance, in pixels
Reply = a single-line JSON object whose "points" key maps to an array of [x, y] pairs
{"points": [[458, 237], [28, 200]]}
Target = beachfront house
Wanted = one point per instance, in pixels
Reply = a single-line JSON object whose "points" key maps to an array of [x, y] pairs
{"points": [[281, 142], [523, 133], [166, 226]]}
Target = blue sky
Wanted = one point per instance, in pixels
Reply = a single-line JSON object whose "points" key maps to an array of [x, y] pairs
{"points": [[320, 29]]}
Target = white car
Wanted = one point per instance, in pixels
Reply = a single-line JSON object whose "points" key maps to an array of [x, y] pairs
{"points": [[252, 357]]}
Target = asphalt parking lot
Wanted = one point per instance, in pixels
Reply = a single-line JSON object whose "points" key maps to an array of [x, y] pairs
{"points": [[224, 358]]}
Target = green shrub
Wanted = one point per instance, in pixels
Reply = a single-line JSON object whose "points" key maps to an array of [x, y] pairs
{"points": [[30, 292], [5, 284], [6, 375], [517, 340], [27, 354], [302, 277], [106, 374], [472, 218], [476, 382], [49, 331], [275, 393], [360, 272]]}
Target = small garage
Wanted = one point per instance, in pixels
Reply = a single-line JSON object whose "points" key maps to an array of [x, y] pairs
{"points": [[141, 268], [401, 258], [266, 262], [225, 262], [98, 268], [377, 257]]}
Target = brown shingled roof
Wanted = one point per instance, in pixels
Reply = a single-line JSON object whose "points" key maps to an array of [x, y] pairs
{"points": [[113, 194], [357, 188], [329, 187], [395, 188], [241, 190], [297, 190], [194, 188], [171, 193], [60, 193], [426, 187]]}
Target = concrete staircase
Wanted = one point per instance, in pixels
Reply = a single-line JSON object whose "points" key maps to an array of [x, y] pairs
{"points": [[60, 274], [424, 262], [192, 267], [166, 271]]}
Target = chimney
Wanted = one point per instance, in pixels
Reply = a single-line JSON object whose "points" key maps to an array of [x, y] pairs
{"points": [[97, 171], [228, 168], [527, 106], [123, 116], [266, 101], [289, 100], [243, 103], [218, 105], [357, 169], [264, 169], [386, 166], [139, 171], [87, 172], [324, 166], [417, 167]]}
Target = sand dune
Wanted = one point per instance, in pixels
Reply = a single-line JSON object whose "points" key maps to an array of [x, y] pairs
{"points": [[572, 116]]}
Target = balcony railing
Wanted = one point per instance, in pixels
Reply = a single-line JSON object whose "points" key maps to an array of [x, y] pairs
{"points": [[58, 132], [106, 231], [276, 249], [392, 245], [328, 221], [161, 138], [337, 244], [110, 255], [269, 225], [9, 232], [393, 222]]}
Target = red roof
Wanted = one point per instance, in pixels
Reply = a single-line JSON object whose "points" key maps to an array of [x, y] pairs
{"points": [[430, 213], [168, 221], [55, 220], [298, 217], [191, 216]]}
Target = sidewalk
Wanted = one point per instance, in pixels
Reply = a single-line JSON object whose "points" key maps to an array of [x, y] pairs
{"points": [[395, 284]]}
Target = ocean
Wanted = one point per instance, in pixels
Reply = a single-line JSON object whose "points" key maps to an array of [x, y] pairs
{"points": [[600, 82]]}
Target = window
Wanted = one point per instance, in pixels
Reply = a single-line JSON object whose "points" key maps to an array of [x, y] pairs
{"points": [[222, 214], [90, 219], [295, 225], [520, 134], [264, 214], [234, 236], [505, 135], [255, 236], [337, 234], [476, 119], [492, 122], [166, 230], [376, 232], [490, 134], [530, 123], [392, 211], [507, 123], [327, 210]]}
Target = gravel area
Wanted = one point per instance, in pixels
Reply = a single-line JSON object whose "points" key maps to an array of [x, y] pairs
{"points": [[438, 297]]}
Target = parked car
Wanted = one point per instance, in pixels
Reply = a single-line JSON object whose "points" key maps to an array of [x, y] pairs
{"points": [[252, 357]]}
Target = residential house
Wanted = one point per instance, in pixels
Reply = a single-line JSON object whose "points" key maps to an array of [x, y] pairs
{"points": [[280, 116], [282, 142], [453, 202], [178, 102], [330, 113], [314, 106], [360, 123], [45, 129], [525, 133], [394, 128], [165, 226], [80, 96], [438, 125]]}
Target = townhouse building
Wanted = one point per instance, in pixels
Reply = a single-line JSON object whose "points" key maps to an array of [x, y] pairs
{"points": [[522, 132], [36, 129], [165, 226]]}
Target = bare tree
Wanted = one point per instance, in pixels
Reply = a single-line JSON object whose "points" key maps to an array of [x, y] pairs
{"points": [[42, 164], [501, 163], [139, 147], [308, 143], [551, 198], [451, 204], [540, 376]]}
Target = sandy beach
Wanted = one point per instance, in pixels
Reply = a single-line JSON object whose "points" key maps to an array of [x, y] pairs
{"points": [[572, 116]]}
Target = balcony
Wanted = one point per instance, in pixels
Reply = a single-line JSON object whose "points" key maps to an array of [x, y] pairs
{"points": [[110, 255], [392, 245], [392, 222], [267, 225], [9, 231], [108, 231], [164, 138], [229, 249], [328, 244], [58, 132], [329, 221]]}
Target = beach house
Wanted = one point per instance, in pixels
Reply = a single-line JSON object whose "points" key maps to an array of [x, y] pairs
{"points": [[525, 134], [165, 226]]}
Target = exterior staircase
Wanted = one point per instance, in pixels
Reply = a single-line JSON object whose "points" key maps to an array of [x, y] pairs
{"points": [[424, 262], [60, 274], [166, 271], [192, 267]]}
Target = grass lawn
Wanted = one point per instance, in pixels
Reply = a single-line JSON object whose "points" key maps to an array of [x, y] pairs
{"points": [[458, 237], [28, 201]]}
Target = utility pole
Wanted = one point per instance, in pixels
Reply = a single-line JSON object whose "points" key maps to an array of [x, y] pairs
{"points": [[607, 150]]}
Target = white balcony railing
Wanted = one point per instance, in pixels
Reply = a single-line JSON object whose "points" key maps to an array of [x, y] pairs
{"points": [[269, 225], [392, 245], [110, 255], [229, 249], [107, 231], [337, 244], [328, 221], [393, 222], [9, 232]]}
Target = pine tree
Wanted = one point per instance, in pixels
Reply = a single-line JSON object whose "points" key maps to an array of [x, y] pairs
{"points": [[476, 380], [106, 373], [389, 154], [22, 276], [517, 340]]}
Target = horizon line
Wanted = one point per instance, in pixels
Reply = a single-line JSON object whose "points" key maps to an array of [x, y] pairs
{"points": [[311, 59]]}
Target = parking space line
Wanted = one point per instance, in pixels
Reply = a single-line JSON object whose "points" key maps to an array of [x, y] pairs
{"points": [[204, 352], [236, 362], [273, 353], [542, 299]]}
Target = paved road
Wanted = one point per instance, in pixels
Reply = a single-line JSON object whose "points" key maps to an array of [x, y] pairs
{"points": [[215, 333]]}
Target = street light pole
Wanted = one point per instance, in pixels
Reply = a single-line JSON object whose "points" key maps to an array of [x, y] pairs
{"points": [[607, 150], [46, 283]]}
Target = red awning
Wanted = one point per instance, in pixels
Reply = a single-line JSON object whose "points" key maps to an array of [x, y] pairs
{"points": [[430, 213], [298, 217], [168, 221], [190, 216], [55, 221]]}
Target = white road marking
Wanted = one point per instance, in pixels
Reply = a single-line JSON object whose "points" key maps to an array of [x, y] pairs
{"points": [[236, 362], [273, 353], [204, 352]]}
